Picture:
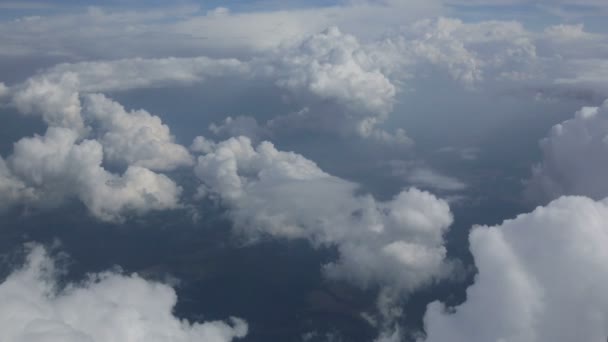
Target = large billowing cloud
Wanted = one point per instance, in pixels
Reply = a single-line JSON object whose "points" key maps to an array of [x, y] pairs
{"points": [[106, 306], [48, 170], [334, 66], [575, 157], [395, 244], [541, 278]]}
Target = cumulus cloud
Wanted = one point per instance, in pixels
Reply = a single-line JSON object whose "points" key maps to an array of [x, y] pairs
{"points": [[574, 157], [135, 137], [334, 65], [56, 101], [282, 194], [541, 278], [106, 306], [338, 83], [56, 167], [56, 93]]}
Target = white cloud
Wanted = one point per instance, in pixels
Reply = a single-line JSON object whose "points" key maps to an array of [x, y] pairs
{"points": [[574, 157], [106, 306], [339, 83], [62, 96], [135, 137], [541, 278], [56, 167], [57, 100], [201, 144], [332, 65], [56, 93], [282, 194]]}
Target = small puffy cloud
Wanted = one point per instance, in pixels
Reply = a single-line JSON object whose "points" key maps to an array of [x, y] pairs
{"points": [[56, 167], [61, 95], [423, 176], [106, 306], [241, 125], [541, 278], [201, 144], [574, 157], [135, 137], [273, 193], [432, 179]]}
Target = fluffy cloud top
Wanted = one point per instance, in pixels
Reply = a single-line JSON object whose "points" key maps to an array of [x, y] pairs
{"points": [[575, 157], [56, 101], [541, 278], [282, 194], [136, 137], [106, 307], [333, 65], [56, 167]]}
